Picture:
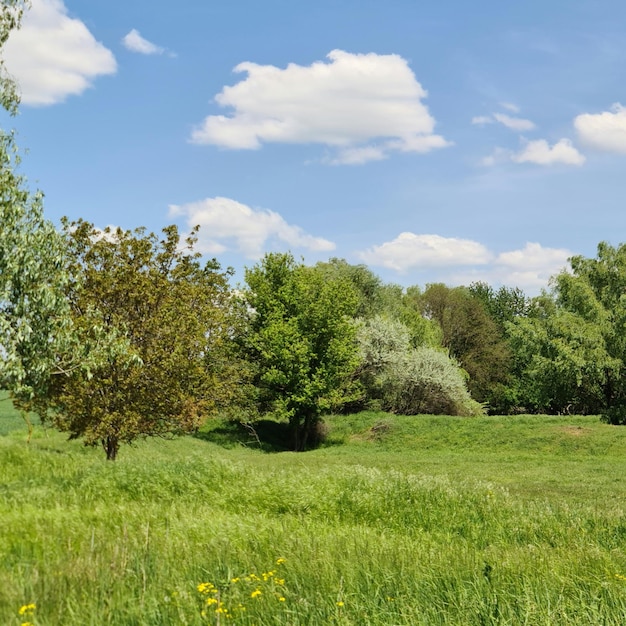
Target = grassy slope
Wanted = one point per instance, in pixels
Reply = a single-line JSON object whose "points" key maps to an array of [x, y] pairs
{"points": [[427, 520]]}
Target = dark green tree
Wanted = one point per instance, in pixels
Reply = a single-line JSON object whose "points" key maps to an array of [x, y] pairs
{"points": [[503, 305], [471, 337]]}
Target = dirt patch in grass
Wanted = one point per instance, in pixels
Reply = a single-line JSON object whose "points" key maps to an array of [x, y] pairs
{"points": [[574, 431]]}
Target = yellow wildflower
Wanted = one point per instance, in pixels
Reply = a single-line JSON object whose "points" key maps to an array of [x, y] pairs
{"points": [[256, 593], [340, 604], [281, 599], [27, 608], [280, 561]]}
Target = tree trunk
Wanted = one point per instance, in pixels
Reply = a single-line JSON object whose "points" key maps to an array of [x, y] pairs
{"points": [[111, 446], [29, 424]]}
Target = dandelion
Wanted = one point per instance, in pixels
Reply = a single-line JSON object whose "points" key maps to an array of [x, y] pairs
{"points": [[340, 604], [279, 581], [256, 593], [280, 561], [235, 580], [281, 599], [27, 608], [206, 588]]}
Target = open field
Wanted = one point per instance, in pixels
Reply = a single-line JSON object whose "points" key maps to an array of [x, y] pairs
{"points": [[422, 520]]}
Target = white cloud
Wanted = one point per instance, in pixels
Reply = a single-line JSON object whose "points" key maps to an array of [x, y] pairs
{"points": [[134, 42], [518, 124], [534, 257], [531, 267], [53, 55], [363, 105], [514, 123], [603, 131], [225, 222], [509, 106], [541, 153], [463, 261], [409, 250]]}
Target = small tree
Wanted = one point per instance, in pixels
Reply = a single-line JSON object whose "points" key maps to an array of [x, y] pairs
{"points": [[173, 312], [301, 341]]}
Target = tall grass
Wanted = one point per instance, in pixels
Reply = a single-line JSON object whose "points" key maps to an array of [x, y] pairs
{"points": [[422, 521]]}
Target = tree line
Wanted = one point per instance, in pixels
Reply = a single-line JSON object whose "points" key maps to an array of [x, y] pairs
{"points": [[116, 334]]}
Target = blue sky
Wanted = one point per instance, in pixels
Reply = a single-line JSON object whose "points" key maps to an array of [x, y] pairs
{"points": [[433, 141]]}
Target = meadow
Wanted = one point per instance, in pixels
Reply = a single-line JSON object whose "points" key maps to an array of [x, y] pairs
{"points": [[395, 520]]}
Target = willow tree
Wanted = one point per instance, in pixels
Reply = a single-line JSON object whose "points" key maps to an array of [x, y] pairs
{"points": [[35, 330]]}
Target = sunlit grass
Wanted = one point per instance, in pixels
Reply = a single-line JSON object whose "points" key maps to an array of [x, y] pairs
{"points": [[421, 521]]}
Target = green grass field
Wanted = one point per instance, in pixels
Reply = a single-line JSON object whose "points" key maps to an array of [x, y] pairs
{"points": [[397, 520]]}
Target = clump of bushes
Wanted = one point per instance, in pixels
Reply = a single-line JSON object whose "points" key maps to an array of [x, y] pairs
{"points": [[407, 380]]}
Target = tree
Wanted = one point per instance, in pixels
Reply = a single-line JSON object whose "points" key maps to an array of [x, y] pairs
{"points": [[174, 315], [11, 12], [570, 351], [561, 364], [301, 340], [471, 336], [35, 329], [503, 305], [387, 299]]}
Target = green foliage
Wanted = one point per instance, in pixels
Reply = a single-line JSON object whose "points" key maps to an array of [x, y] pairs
{"points": [[570, 350], [410, 380], [368, 287], [471, 336], [33, 311], [390, 300], [301, 341], [35, 330], [11, 12], [172, 312], [561, 361], [503, 305]]}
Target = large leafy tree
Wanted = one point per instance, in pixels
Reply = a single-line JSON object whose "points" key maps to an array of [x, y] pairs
{"points": [[36, 340], [301, 340], [173, 312], [570, 351]]}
